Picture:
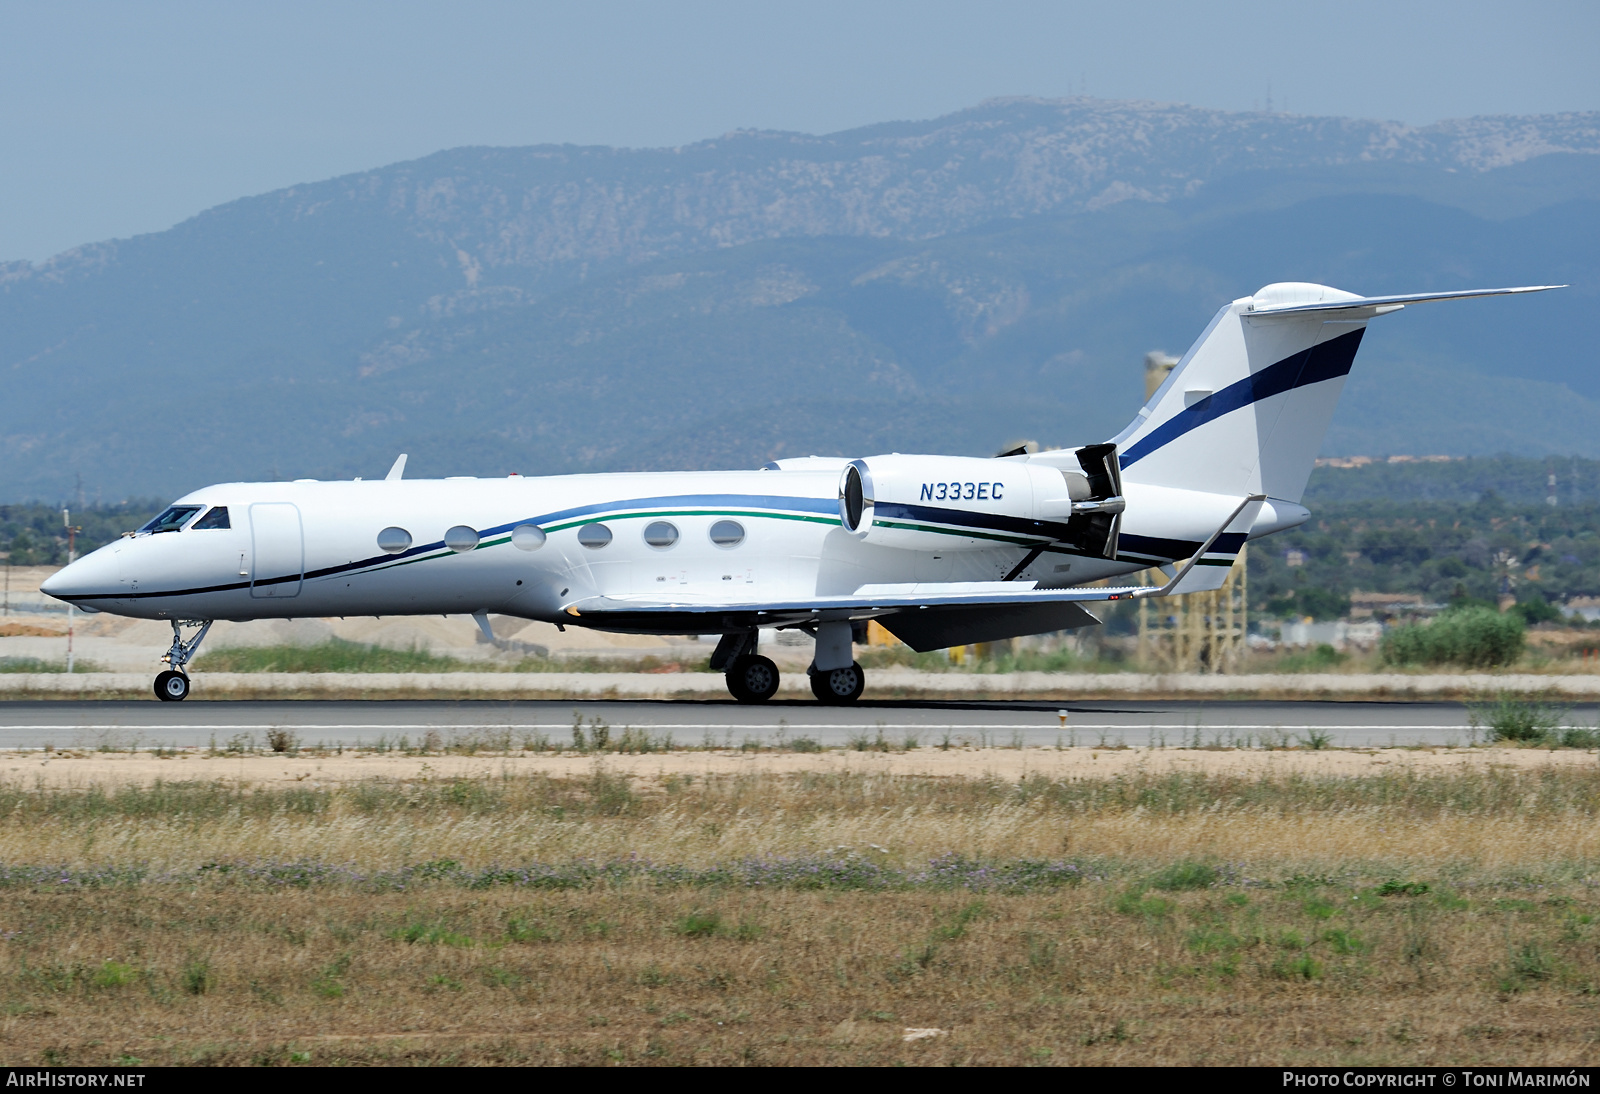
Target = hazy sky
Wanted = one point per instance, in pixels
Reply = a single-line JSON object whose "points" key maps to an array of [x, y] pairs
{"points": [[120, 118]]}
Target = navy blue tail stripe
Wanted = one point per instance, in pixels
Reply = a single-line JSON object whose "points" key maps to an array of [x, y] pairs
{"points": [[1327, 361]]}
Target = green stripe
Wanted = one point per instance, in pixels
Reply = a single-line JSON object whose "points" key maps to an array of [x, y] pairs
{"points": [[691, 513], [617, 516]]}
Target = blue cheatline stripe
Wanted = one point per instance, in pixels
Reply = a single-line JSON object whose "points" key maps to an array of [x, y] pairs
{"points": [[1049, 531], [773, 502], [1327, 361]]}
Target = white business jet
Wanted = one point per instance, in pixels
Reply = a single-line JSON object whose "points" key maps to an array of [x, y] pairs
{"points": [[941, 550]]}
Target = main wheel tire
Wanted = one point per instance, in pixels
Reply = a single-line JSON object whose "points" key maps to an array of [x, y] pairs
{"points": [[753, 679], [839, 685], [172, 687]]}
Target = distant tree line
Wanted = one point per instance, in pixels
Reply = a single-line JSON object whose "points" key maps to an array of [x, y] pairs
{"points": [[1516, 480], [36, 535], [1447, 552]]}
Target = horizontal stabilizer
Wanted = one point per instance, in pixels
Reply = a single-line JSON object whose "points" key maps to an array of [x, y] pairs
{"points": [[1388, 303]]}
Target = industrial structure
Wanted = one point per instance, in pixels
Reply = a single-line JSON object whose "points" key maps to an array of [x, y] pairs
{"points": [[1200, 632]]}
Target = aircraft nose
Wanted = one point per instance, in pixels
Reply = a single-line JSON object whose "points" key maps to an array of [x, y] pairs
{"points": [[94, 574]]}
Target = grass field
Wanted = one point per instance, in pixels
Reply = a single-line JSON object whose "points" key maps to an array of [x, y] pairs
{"points": [[805, 918]]}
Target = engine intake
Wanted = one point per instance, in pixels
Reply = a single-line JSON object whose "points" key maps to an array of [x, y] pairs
{"points": [[856, 502]]}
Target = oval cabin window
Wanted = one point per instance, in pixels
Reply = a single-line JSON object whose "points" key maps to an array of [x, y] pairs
{"points": [[661, 533], [527, 537], [727, 533], [461, 539], [594, 536], [393, 541]]}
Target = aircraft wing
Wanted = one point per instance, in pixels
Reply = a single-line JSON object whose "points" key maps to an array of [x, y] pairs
{"points": [[932, 614], [924, 616], [867, 601]]}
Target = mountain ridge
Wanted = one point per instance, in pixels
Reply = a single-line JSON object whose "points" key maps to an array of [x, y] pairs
{"points": [[1480, 143], [946, 283]]}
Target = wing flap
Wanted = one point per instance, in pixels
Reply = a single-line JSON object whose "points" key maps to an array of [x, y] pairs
{"points": [[941, 628]]}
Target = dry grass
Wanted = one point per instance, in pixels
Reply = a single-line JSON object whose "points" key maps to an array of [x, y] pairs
{"points": [[794, 918], [1479, 819]]}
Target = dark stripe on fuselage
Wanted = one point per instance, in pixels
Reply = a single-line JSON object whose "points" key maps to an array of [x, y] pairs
{"points": [[1327, 361], [777, 503], [963, 518], [1173, 549], [1050, 532]]}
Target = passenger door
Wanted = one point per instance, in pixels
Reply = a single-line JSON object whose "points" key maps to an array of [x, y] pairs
{"points": [[278, 551]]}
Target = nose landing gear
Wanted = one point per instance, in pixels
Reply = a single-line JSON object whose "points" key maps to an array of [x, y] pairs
{"points": [[172, 685]]}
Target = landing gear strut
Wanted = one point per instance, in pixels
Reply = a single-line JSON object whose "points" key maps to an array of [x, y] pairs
{"points": [[172, 685]]}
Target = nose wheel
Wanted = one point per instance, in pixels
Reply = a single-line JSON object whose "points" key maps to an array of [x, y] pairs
{"points": [[172, 687]]}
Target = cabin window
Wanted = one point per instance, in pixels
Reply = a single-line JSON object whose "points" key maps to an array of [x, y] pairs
{"points": [[217, 518], [527, 537], [175, 517], [594, 536], [661, 533], [727, 533], [394, 541], [461, 539]]}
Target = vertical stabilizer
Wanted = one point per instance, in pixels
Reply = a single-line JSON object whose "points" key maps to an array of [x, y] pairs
{"points": [[1246, 409]]}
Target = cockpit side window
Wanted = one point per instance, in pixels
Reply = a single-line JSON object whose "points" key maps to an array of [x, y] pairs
{"points": [[173, 519], [217, 518]]}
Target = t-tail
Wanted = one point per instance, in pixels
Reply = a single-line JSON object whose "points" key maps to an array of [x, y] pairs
{"points": [[1246, 409]]}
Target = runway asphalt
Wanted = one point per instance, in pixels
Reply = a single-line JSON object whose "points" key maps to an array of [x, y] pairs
{"points": [[124, 724]]}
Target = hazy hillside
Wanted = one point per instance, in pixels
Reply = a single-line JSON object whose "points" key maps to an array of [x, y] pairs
{"points": [[943, 285]]}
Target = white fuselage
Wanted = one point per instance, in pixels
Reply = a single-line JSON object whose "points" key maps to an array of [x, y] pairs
{"points": [[308, 548]]}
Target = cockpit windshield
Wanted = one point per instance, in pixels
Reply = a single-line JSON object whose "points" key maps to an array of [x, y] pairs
{"points": [[173, 519]]}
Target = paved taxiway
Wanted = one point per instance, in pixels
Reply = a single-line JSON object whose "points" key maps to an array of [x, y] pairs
{"points": [[121, 725]]}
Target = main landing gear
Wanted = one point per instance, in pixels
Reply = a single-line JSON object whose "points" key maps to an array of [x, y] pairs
{"points": [[839, 685], [836, 676], [751, 677], [172, 685], [754, 679]]}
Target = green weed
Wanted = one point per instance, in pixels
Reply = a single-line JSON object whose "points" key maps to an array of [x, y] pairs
{"points": [[1184, 875], [698, 925]]}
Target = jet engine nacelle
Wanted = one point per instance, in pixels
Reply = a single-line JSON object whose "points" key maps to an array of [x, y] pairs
{"points": [[962, 503]]}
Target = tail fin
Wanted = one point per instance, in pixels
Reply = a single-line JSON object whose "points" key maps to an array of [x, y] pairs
{"points": [[1246, 409]]}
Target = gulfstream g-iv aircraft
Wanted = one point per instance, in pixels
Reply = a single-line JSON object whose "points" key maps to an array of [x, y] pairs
{"points": [[941, 550]]}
